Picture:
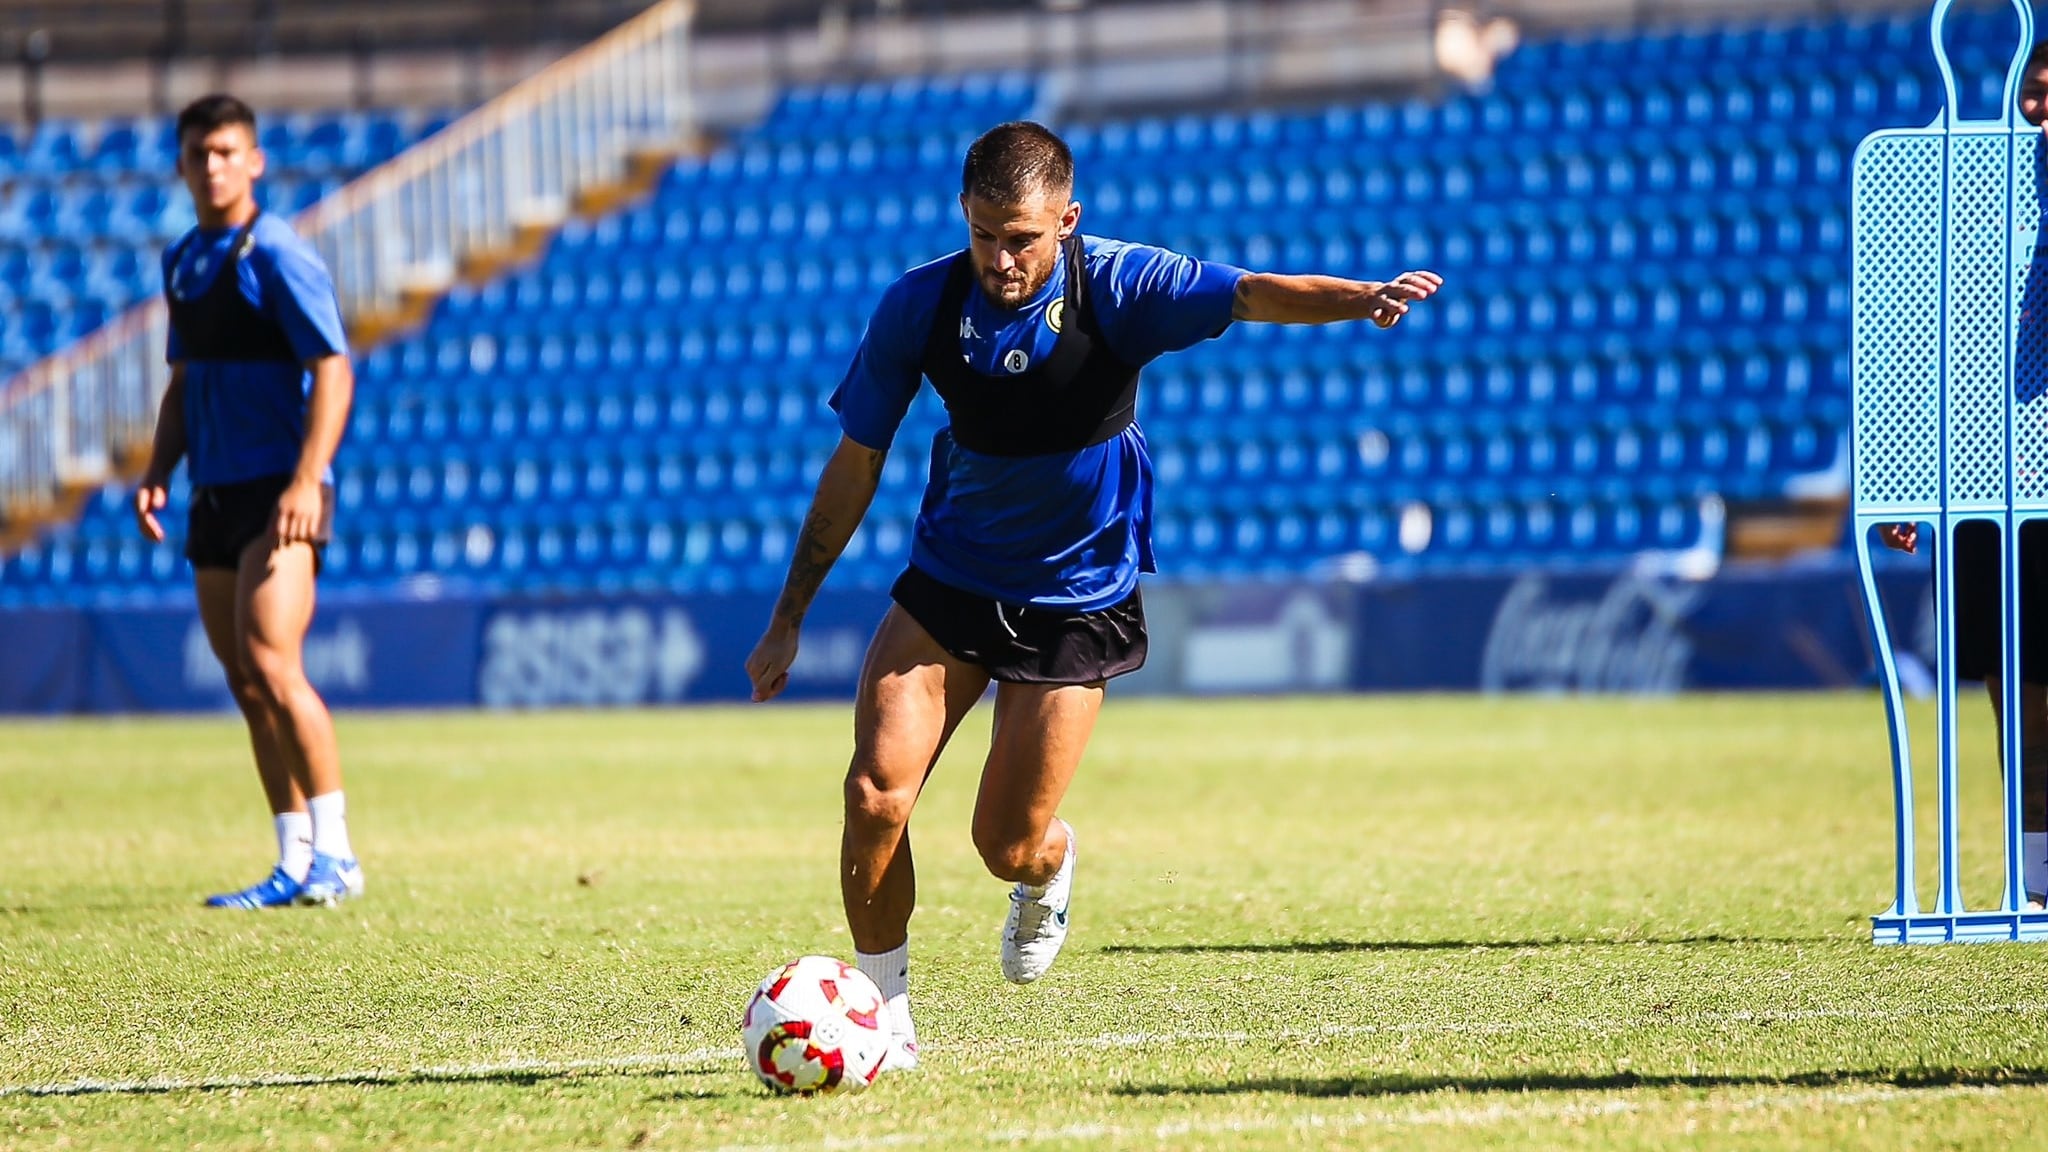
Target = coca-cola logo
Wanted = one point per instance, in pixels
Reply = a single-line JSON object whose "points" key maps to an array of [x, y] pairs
{"points": [[1632, 638]]}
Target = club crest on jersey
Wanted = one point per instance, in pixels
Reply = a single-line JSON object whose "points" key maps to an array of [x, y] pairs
{"points": [[1056, 314], [182, 281], [1016, 361]]}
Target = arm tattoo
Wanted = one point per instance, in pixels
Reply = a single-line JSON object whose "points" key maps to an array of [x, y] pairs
{"points": [[808, 564], [812, 558]]}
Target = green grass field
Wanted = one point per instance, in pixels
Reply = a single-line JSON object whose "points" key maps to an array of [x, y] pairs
{"points": [[1414, 923]]}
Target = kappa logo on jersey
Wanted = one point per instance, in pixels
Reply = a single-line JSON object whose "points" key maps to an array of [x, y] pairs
{"points": [[1016, 361], [967, 331], [1056, 314]]}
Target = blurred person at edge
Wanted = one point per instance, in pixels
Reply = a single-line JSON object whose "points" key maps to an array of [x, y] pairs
{"points": [[1978, 579]]}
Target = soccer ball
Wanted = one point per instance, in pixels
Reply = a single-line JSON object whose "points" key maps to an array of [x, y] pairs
{"points": [[816, 1025]]}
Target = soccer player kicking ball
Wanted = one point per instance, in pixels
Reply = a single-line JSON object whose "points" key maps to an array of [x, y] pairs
{"points": [[1035, 525], [259, 395]]}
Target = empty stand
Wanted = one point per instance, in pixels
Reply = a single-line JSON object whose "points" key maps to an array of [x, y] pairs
{"points": [[86, 208], [1645, 241]]}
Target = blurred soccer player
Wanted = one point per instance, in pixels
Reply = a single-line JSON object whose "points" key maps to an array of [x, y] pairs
{"points": [[1980, 575], [259, 395], [1035, 525]]}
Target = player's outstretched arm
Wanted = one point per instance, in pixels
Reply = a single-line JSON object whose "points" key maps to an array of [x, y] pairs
{"points": [[165, 451], [298, 509], [1276, 299], [845, 490]]}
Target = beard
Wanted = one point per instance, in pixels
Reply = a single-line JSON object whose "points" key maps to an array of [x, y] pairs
{"points": [[1014, 290]]}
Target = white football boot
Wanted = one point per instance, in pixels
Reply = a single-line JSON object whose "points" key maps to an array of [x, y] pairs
{"points": [[901, 1055], [1037, 925]]}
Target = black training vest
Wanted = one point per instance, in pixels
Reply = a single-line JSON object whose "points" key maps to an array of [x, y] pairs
{"points": [[1079, 395], [220, 323]]}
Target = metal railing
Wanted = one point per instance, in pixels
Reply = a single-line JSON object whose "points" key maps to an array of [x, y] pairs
{"points": [[519, 161]]}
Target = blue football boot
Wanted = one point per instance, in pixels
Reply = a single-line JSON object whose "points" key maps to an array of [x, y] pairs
{"points": [[331, 880], [276, 890]]}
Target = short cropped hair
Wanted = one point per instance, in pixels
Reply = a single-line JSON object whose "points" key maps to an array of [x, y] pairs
{"points": [[2038, 58], [219, 110], [1010, 162]]}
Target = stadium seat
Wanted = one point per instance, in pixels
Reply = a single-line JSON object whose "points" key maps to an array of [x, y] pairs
{"points": [[1647, 296], [101, 197]]}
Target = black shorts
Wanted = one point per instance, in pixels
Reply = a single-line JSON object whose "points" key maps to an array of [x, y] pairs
{"points": [[227, 518], [1020, 644], [1979, 576]]}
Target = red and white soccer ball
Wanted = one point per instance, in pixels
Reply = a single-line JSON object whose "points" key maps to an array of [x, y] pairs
{"points": [[816, 1025]]}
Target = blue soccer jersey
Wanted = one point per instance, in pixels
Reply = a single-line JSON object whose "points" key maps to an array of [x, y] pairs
{"points": [[1067, 530], [245, 417]]}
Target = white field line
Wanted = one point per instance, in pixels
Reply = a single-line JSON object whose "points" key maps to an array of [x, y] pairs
{"points": [[706, 1056], [1439, 1117]]}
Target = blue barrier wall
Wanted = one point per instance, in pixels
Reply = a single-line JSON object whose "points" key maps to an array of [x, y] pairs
{"points": [[42, 658], [1616, 631], [1631, 632], [444, 652]]}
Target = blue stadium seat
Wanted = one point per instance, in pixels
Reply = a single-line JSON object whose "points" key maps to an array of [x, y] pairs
{"points": [[101, 193], [1647, 255]]}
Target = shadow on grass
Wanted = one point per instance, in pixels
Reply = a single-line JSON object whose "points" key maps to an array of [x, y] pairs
{"points": [[1397, 1085], [695, 1095], [101, 906], [1315, 946], [514, 1077]]}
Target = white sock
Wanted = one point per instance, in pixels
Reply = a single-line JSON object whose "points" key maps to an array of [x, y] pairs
{"points": [[2034, 861], [1038, 891], [294, 843], [330, 825], [891, 973]]}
